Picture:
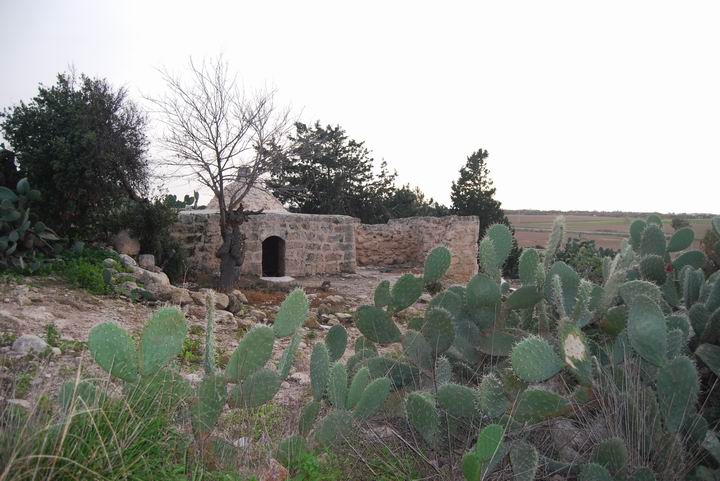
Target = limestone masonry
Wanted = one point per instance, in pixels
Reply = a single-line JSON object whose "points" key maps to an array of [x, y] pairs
{"points": [[280, 243]]}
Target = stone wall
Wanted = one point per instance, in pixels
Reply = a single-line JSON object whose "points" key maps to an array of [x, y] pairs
{"points": [[314, 244], [407, 242]]}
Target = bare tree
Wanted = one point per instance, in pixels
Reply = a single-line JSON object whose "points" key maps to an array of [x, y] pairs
{"points": [[217, 134]]}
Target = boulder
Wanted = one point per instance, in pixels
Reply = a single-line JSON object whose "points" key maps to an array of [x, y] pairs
{"points": [[312, 322], [148, 277], [172, 294], [221, 300], [240, 296], [245, 323], [28, 343], [259, 315], [125, 244], [127, 261], [224, 317], [146, 261], [199, 298]]}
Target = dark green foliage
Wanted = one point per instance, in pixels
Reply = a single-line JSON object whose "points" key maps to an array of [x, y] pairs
{"points": [[23, 239], [585, 257], [406, 201], [82, 143], [150, 221], [326, 172], [473, 194]]}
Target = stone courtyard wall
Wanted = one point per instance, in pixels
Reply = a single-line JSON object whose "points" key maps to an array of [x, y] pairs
{"points": [[314, 244], [407, 242]]}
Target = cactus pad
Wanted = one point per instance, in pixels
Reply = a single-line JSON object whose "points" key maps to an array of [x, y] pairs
{"points": [[443, 371], [406, 291], [436, 264], [594, 472], [457, 400], [382, 297], [162, 339], [487, 453], [417, 349], [334, 428], [647, 330], [206, 409], [423, 416], [694, 259], [252, 353], [677, 389], [292, 314], [288, 356], [612, 455], [359, 382], [372, 398], [338, 386], [537, 405], [308, 415], [524, 459], [653, 241], [528, 266], [336, 342], [114, 350], [482, 291], [400, 374], [534, 360], [681, 240], [710, 355], [438, 330], [376, 325], [524, 297], [259, 388], [502, 242], [319, 370], [491, 398]]}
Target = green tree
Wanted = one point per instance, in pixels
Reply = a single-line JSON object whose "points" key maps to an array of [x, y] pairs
{"points": [[411, 202], [473, 194], [326, 172], [82, 143]]}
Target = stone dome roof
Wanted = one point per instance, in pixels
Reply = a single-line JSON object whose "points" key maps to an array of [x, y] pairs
{"points": [[257, 198]]}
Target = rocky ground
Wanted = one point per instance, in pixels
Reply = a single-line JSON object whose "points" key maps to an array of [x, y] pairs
{"points": [[44, 325]]}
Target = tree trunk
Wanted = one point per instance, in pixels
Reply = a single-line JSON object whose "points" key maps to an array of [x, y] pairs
{"points": [[232, 251]]}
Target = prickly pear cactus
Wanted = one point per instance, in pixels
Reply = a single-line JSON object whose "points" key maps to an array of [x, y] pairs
{"points": [[114, 351], [292, 314], [436, 264]]}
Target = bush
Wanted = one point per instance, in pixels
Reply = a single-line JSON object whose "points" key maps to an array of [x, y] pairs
{"points": [[150, 221], [585, 257], [83, 144]]}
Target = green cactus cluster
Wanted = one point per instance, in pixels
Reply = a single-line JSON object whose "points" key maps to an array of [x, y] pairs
{"points": [[21, 236]]}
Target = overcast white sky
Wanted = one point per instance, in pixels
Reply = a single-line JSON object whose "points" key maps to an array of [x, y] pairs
{"points": [[582, 105]]}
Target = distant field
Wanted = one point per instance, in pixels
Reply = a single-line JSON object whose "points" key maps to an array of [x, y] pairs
{"points": [[532, 230]]}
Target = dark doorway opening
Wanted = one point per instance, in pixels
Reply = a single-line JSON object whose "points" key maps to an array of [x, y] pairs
{"points": [[273, 257]]}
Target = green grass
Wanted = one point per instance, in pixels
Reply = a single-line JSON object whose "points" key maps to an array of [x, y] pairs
{"points": [[129, 438]]}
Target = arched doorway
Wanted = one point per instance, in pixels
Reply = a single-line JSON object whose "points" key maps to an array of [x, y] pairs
{"points": [[273, 257]]}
